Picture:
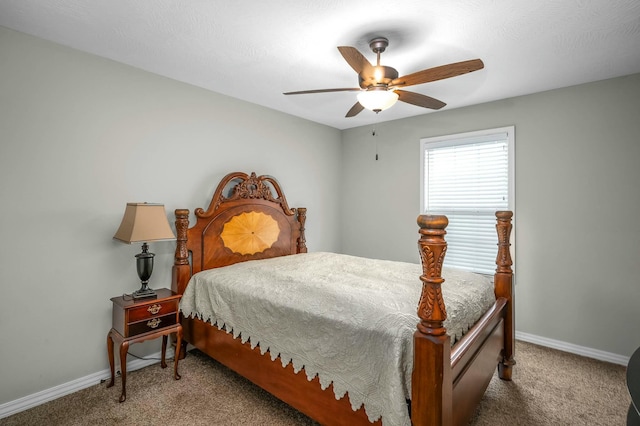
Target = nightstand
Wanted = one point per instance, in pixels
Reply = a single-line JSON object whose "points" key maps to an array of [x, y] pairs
{"points": [[139, 320]]}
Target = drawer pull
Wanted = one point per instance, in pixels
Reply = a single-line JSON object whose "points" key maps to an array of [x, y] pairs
{"points": [[154, 323], [154, 309]]}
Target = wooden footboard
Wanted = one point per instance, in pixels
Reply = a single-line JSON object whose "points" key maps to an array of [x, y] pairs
{"points": [[443, 377], [474, 360]]}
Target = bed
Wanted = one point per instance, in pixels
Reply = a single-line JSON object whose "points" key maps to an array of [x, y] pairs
{"points": [[249, 223]]}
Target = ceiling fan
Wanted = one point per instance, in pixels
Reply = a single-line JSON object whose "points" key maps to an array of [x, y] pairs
{"points": [[380, 86]]}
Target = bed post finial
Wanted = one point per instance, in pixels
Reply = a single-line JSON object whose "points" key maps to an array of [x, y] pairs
{"points": [[302, 218], [503, 283], [181, 267], [432, 245], [503, 227], [431, 382]]}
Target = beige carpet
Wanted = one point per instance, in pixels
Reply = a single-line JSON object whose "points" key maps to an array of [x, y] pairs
{"points": [[549, 388]]}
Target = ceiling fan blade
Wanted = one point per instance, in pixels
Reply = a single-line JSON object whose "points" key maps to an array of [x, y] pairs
{"points": [[438, 73], [355, 110], [356, 59], [419, 99], [303, 92]]}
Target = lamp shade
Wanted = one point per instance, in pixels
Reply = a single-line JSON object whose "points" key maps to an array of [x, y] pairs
{"points": [[377, 100], [144, 222]]}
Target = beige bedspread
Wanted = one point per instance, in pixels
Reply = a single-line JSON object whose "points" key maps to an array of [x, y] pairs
{"points": [[346, 319]]}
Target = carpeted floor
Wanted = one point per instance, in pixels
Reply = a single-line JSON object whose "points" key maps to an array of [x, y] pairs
{"points": [[549, 387]]}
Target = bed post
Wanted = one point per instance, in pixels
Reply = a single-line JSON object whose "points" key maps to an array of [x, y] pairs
{"points": [[503, 282], [431, 382], [181, 268], [302, 218]]}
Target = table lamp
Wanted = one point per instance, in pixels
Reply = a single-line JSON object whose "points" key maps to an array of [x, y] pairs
{"points": [[144, 222]]}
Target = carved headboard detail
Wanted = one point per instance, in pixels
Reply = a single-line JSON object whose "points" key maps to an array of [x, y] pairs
{"points": [[248, 188]]}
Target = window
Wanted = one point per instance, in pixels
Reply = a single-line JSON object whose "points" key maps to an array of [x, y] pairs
{"points": [[468, 177]]}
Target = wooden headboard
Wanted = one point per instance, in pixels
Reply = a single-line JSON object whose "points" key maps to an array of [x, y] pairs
{"points": [[248, 218]]}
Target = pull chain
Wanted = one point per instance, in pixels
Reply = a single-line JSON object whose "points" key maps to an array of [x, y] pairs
{"points": [[373, 134]]}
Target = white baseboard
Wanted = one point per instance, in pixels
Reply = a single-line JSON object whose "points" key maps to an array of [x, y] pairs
{"points": [[12, 407], [571, 348]]}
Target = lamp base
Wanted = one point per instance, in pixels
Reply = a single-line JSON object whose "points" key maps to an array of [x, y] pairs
{"points": [[144, 264], [144, 293]]}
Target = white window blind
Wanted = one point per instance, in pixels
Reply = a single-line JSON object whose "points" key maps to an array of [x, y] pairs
{"points": [[467, 178]]}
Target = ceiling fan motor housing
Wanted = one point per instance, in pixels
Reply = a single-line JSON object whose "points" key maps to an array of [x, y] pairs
{"points": [[381, 77]]}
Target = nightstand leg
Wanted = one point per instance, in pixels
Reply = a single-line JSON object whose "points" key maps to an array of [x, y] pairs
{"points": [[176, 356], [163, 362], [111, 360], [124, 349]]}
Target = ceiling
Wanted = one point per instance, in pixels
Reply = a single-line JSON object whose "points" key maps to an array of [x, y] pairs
{"points": [[256, 50]]}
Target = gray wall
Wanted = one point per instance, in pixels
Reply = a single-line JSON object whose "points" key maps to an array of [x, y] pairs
{"points": [[577, 204], [81, 136]]}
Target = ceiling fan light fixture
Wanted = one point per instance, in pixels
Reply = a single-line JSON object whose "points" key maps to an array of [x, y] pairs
{"points": [[377, 100]]}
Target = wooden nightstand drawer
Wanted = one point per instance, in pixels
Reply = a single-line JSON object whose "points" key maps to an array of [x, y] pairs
{"points": [[130, 316], [153, 310], [152, 324]]}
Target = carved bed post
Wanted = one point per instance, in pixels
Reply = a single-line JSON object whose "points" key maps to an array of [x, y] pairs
{"points": [[431, 383], [503, 282], [302, 218], [181, 268]]}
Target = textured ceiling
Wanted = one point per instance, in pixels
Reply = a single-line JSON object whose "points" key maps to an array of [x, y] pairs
{"points": [[256, 50]]}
